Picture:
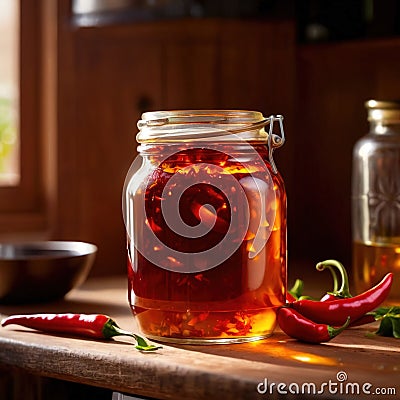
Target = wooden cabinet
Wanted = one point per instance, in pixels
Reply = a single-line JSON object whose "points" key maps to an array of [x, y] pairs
{"points": [[109, 75], [333, 82]]}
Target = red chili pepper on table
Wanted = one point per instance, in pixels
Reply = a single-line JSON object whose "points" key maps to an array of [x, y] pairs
{"points": [[335, 312], [297, 326], [96, 326]]}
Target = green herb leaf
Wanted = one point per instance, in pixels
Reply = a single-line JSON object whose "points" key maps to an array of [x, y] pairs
{"points": [[390, 321], [382, 311], [396, 327], [385, 327]]}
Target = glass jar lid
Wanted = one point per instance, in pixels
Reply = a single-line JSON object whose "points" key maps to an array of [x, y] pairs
{"points": [[199, 125], [383, 110], [226, 126]]}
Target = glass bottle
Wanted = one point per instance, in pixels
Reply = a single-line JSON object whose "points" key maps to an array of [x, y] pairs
{"points": [[376, 199], [205, 213]]}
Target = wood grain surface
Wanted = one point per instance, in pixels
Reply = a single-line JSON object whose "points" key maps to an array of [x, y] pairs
{"points": [[196, 372]]}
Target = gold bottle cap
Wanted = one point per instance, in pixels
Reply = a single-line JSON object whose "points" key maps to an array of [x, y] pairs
{"points": [[383, 110]]}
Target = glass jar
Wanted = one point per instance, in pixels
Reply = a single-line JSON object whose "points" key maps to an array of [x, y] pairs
{"points": [[205, 212], [376, 199]]}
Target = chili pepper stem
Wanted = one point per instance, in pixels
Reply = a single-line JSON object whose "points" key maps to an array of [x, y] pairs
{"points": [[297, 288], [333, 273], [111, 329], [335, 331], [344, 291]]}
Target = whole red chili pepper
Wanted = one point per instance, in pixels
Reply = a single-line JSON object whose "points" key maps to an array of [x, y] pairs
{"points": [[335, 312], [301, 328], [97, 326]]}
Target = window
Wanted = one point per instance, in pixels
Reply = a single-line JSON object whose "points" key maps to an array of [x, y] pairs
{"points": [[24, 193], [9, 92]]}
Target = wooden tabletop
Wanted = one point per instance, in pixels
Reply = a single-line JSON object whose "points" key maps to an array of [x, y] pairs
{"points": [[353, 361]]}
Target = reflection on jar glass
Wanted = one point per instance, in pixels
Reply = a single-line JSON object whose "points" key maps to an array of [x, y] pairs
{"points": [[205, 212]]}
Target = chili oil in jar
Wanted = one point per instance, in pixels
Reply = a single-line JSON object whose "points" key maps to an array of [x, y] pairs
{"points": [[205, 212]]}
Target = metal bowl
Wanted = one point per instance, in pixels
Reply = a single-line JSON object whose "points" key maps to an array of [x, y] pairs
{"points": [[34, 272]]}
